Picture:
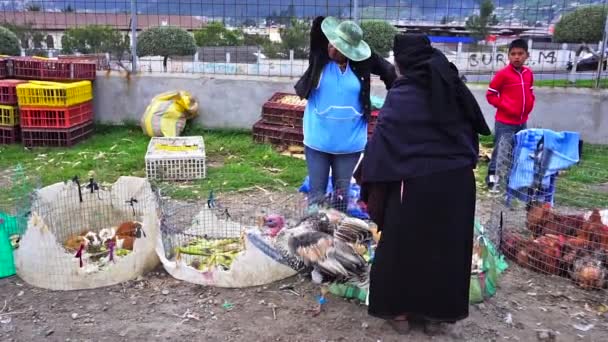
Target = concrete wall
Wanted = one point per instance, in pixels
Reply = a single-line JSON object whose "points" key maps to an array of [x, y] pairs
{"points": [[236, 101]]}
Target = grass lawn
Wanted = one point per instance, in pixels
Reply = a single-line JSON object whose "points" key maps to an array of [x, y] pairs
{"points": [[235, 163]]}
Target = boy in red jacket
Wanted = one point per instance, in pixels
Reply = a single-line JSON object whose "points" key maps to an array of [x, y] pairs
{"points": [[511, 92]]}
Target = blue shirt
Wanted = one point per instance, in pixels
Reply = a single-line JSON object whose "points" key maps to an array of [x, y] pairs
{"points": [[333, 118]]}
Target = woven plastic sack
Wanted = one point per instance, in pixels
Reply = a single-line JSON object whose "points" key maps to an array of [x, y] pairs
{"points": [[167, 113], [258, 264], [42, 259]]}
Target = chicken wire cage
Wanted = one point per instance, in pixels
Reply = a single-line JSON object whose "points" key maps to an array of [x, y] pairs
{"points": [[86, 235], [550, 206], [235, 239], [15, 202], [176, 158]]}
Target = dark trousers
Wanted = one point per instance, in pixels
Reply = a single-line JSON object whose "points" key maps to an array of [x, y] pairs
{"points": [[502, 130], [342, 167]]}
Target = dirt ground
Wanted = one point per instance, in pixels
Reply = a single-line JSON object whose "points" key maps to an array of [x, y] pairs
{"points": [[156, 307]]}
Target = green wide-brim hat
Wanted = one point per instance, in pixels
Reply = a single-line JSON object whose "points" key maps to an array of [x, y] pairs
{"points": [[347, 37]]}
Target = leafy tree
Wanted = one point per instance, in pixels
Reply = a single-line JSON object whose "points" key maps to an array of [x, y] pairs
{"points": [[586, 24], [95, 39], [255, 39], [24, 32], [379, 34], [296, 37], [9, 43], [165, 41], [215, 34], [479, 24]]}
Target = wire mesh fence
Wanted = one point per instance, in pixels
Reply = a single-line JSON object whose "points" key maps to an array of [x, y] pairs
{"points": [[270, 37], [86, 235], [236, 241], [550, 211]]}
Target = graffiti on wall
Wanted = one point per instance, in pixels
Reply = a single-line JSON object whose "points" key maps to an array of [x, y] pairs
{"points": [[544, 58]]}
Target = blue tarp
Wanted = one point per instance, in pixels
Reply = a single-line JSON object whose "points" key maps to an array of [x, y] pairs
{"points": [[455, 40]]}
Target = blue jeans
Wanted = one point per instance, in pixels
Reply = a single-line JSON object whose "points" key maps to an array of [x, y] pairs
{"points": [[342, 167], [502, 130]]}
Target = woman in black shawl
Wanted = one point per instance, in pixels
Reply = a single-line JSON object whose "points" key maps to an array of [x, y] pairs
{"points": [[418, 181]]}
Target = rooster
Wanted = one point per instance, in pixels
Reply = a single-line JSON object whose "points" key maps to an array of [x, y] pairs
{"points": [[126, 234], [592, 230], [327, 242], [545, 253], [537, 217], [588, 270]]}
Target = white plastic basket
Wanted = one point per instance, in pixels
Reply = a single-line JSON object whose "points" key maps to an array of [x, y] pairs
{"points": [[176, 158]]}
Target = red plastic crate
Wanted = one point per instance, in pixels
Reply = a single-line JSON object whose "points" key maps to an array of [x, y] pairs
{"points": [[9, 135], [51, 117], [36, 137], [8, 91], [282, 120], [3, 68], [289, 112], [277, 135], [100, 60], [55, 70]]}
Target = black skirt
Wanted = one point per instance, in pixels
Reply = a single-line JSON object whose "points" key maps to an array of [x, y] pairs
{"points": [[422, 266]]}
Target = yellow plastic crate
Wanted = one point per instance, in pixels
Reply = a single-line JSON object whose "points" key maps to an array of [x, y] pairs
{"points": [[9, 115], [54, 94]]}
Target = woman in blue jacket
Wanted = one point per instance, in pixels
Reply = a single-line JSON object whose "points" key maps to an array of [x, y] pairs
{"points": [[337, 86]]}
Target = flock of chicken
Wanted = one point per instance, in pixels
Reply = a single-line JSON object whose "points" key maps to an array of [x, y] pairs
{"points": [[94, 246], [574, 246]]}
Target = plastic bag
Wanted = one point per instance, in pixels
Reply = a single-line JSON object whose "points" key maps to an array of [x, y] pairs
{"points": [[493, 264], [377, 102], [167, 114], [354, 195]]}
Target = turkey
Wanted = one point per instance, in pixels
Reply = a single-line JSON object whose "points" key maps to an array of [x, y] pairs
{"points": [[330, 245]]}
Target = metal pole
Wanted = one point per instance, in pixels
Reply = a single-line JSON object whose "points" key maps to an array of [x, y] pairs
{"points": [[133, 37], [356, 11], [600, 63]]}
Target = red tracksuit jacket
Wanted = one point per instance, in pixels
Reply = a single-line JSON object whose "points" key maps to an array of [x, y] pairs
{"points": [[511, 92]]}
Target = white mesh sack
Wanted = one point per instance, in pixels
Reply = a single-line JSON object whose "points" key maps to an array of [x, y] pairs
{"points": [[196, 238], [81, 237]]}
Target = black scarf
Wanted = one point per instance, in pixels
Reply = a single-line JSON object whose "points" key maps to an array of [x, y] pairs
{"points": [[452, 100]]}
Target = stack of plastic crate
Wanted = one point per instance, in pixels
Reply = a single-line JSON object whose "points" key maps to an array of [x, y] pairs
{"points": [[55, 114], [9, 112], [281, 122], [3, 68], [36, 68]]}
